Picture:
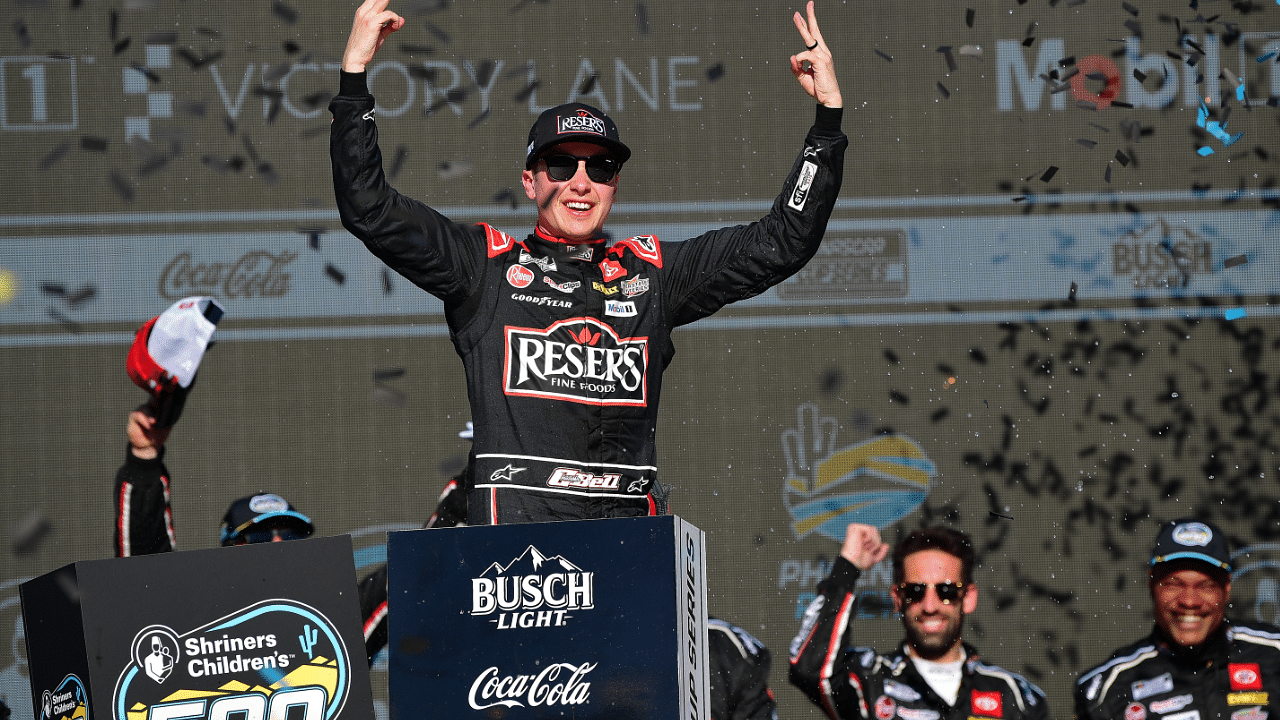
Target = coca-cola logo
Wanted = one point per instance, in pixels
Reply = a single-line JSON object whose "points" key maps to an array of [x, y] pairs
{"points": [[556, 684], [580, 360], [257, 273]]}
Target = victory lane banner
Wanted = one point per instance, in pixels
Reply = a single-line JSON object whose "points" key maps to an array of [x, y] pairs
{"points": [[259, 631], [584, 619]]}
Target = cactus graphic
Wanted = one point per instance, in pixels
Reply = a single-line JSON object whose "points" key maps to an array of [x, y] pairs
{"points": [[308, 640]]}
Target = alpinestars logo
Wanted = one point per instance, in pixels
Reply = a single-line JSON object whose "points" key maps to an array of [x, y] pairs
{"points": [[532, 591], [262, 659], [578, 360]]}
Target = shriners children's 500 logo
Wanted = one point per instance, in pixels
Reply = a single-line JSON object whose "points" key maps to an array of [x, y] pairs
{"points": [[68, 702], [258, 662]]}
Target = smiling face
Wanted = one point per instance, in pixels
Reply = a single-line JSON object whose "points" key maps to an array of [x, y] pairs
{"points": [[573, 210], [1189, 599], [933, 628]]}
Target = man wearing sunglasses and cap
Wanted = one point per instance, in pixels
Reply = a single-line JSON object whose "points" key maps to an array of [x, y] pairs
{"points": [[1195, 664], [932, 675], [563, 335]]}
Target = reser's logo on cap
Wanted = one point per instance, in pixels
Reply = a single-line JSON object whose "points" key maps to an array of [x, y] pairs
{"points": [[533, 590], [583, 122]]}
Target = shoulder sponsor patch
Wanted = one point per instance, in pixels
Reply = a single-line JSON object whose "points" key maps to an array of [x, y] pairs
{"points": [[893, 688], [497, 241], [1245, 676], [918, 714], [1091, 692], [611, 270], [1135, 711], [619, 308], [1245, 698], [800, 193], [986, 703], [1253, 713], [1152, 686], [519, 276], [645, 247], [635, 286], [1173, 704]]}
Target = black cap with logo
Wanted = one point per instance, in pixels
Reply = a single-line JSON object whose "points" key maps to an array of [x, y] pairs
{"points": [[248, 512], [573, 122], [1190, 539]]}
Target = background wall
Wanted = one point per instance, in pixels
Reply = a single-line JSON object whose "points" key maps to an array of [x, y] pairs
{"points": [[1028, 289]]}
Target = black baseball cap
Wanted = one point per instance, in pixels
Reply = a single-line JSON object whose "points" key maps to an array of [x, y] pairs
{"points": [[573, 122], [248, 512], [1190, 539]]}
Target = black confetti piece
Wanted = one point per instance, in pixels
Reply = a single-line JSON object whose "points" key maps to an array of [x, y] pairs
{"points": [[1107, 175], [29, 533], [146, 71], [121, 186], [333, 272], [993, 512], [588, 85], [526, 91], [968, 16], [53, 289], [1072, 294], [66, 322], [21, 33], [386, 281], [1020, 198], [715, 72], [1091, 144], [1028, 42], [1234, 261], [484, 115], [55, 155], [1134, 27], [291, 47], [1122, 159], [1100, 127], [408, 49], [439, 34], [950, 58], [397, 163], [1117, 103], [507, 196], [114, 25], [284, 12], [1139, 75], [388, 374], [161, 38], [642, 19], [888, 58], [942, 90], [197, 62], [1129, 9], [85, 293], [121, 46], [1048, 174]]}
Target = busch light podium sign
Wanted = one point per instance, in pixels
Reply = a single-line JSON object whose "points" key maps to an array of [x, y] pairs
{"points": [[584, 619], [257, 632]]}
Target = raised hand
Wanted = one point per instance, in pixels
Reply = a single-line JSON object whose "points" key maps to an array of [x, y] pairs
{"points": [[372, 25], [814, 67], [862, 546]]}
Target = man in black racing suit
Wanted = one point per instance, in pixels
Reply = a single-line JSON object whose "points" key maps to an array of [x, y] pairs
{"points": [[933, 675], [1195, 664], [564, 339]]}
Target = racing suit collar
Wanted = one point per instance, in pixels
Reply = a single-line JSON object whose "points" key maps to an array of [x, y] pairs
{"points": [[561, 241], [1214, 648], [562, 249]]}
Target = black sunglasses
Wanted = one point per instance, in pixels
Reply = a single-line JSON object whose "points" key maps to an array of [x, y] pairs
{"points": [[914, 592], [253, 537], [600, 168]]}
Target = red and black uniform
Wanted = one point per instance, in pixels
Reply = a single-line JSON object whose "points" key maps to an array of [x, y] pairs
{"points": [[739, 669], [564, 345], [857, 682], [144, 517], [1230, 676]]}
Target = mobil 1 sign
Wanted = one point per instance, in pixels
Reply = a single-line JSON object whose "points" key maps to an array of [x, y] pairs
{"points": [[593, 618]]}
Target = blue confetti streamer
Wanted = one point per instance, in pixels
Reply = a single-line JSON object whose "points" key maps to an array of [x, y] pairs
{"points": [[1205, 151], [1269, 55], [1237, 313]]}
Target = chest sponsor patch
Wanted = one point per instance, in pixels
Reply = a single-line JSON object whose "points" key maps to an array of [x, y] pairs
{"points": [[603, 289], [542, 300], [1173, 704], [544, 264], [567, 286], [1246, 698], [611, 270], [800, 193], [986, 703], [1152, 686], [918, 714], [579, 360], [1253, 713], [519, 276], [906, 693], [1245, 676], [885, 708], [635, 286], [619, 308], [1135, 711]]}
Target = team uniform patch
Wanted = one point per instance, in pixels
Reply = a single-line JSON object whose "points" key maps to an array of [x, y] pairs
{"points": [[986, 703], [1135, 711], [1152, 686], [519, 276]]}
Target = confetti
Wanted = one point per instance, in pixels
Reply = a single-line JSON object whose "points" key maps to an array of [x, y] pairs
{"points": [[951, 59], [455, 169], [388, 374], [1129, 9], [642, 19], [1091, 144], [284, 12], [397, 164], [715, 72], [196, 62], [439, 34], [588, 85], [1028, 42], [53, 289], [85, 293], [121, 186], [993, 512], [1107, 175], [968, 16], [1122, 159], [1072, 295], [1234, 314], [484, 115], [888, 58], [942, 90], [20, 31], [386, 282], [526, 91], [1100, 127], [1139, 75], [1205, 151], [55, 155], [1048, 174], [416, 50], [121, 46], [1234, 261], [333, 272], [1266, 57]]}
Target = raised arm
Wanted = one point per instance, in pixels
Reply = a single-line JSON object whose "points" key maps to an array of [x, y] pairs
{"points": [[814, 67], [373, 24]]}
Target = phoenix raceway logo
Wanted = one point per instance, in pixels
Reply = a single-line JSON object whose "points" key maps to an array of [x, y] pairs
{"points": [[580, 360], [67, 702], [533, 590], [876, 482], [1255, 582], [260, 661]]}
